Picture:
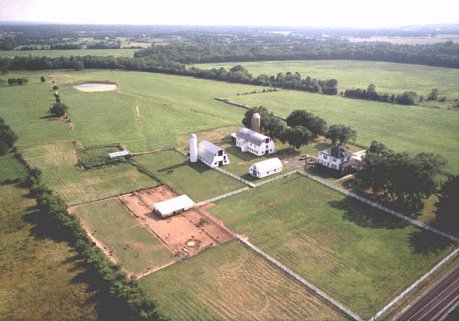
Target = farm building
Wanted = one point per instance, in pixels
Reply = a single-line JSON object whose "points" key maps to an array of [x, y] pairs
{"points": [[212, 155], [119, 154], [251, 141], [266, 168], [338, 158], [173, 206]]}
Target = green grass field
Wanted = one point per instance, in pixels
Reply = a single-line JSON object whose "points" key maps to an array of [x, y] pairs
{"points": [[354, 253], [196, 180], [40, 279], [133, 246], [11, 169], [229, 282], [387, 77], [402, 128], [60, 173], [68, 53]]}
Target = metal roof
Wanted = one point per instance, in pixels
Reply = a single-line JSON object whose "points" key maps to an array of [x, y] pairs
{"points": [[207, 150], [268, 165], [172, 205], [121, 153], [251, 136]]}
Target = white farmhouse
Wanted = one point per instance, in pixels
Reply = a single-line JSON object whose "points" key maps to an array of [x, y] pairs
{"points": [[338, 158], [212, 155], [266, 168], [251, 141]]}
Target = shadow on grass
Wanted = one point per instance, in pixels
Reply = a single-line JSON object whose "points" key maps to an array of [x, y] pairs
{"points": [[198, 167], [366, 216], [425, 242]]}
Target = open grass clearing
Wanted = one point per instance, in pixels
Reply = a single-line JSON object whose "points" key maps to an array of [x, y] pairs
{"points": [[131, 244], [358, 255], [401, 128], [229, 282], [196, 180], [11, 169], [387, 77], [40, 279], [58, 163]]}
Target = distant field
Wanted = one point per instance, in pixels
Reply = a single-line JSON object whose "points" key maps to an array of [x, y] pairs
{"points": [[40, 279], [133, 246], [68, 53], [356, 254], [408, 40], [387, 77], [402, 128], [229, 282], [196, 180], [60, 173]]}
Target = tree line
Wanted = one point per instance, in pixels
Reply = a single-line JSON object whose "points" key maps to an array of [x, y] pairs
{"points": [[125, 299], [299, 128], [7, 137], [406, 98]]}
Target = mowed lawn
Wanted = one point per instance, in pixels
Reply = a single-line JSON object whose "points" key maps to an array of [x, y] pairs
{"points": [[360, 256], [229, 282], [197, 180], [387, 77], [58, 163], [40, 279], [133, 246], [401, 128]]}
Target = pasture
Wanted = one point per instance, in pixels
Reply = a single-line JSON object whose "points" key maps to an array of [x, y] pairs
{"points": [[58, 162], [196, 180], [11, 169], [360, 256], [387, 77], [229, 282], [132, 245], [401, 128], [40, 279]]}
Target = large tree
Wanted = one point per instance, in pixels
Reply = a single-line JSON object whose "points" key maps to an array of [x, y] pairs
{"points": [[264, 114], [295, 136], [448, 205], [7, 137], [340, 133], [314, 124], [58, 109]]}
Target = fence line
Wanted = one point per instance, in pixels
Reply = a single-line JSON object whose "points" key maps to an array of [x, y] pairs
{"points": [[275, 178], [307, 284], [383, 208], [415, 284], [214, 199], [240, 179]]}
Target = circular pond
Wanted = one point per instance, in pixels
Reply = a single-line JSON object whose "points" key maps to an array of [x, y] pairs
{"points": [[93, 87]]}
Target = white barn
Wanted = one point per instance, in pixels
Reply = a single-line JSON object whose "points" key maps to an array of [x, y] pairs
{"points": [[266, 168], [251, 141], [212, 155], [173, 206], [119, 154]]}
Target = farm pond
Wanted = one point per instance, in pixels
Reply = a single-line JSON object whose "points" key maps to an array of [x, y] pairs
{"points": [[95, 87]]}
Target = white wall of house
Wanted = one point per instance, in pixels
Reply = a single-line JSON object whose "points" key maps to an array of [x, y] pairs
{"points": [[262, 145]]}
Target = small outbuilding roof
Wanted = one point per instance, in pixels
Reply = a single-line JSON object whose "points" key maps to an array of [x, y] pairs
{"points": [[121, 153], [251, 136], [168, 207], [268, 165]]}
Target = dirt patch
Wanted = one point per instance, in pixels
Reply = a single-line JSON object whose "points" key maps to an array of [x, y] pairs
{"points": [[96, 87], [185, 234]]}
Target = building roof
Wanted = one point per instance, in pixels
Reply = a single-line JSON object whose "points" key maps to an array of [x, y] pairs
{"points": [[207, 150], [268, 165], [359, 155], [251, 136], [336, 151], [121, 153], [174, 204]]}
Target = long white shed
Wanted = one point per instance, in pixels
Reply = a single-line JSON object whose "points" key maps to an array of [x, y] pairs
{"points": [[173, 206], [266, 168]]}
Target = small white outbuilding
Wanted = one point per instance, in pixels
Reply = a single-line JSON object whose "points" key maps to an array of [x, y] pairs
{"points": [[119, 154], [173, 206], [266, 168]]}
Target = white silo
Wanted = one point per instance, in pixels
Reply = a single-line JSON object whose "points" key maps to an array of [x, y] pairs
{"points": [[256, 122], [193, 148]]}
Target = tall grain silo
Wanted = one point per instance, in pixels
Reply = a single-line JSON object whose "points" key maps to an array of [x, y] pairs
{"points": [[256, 122], [193, 148]]}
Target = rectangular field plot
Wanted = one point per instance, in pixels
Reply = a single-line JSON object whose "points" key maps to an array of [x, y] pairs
{"points": [[360, 256], [196, 180], [58, 163], [229, 282], [126, 240]]}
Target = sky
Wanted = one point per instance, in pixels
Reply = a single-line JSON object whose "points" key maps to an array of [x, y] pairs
{"points": [[331, 13]]}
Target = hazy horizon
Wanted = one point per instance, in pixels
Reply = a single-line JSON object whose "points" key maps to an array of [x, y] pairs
{"points": [[289, 13]]}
